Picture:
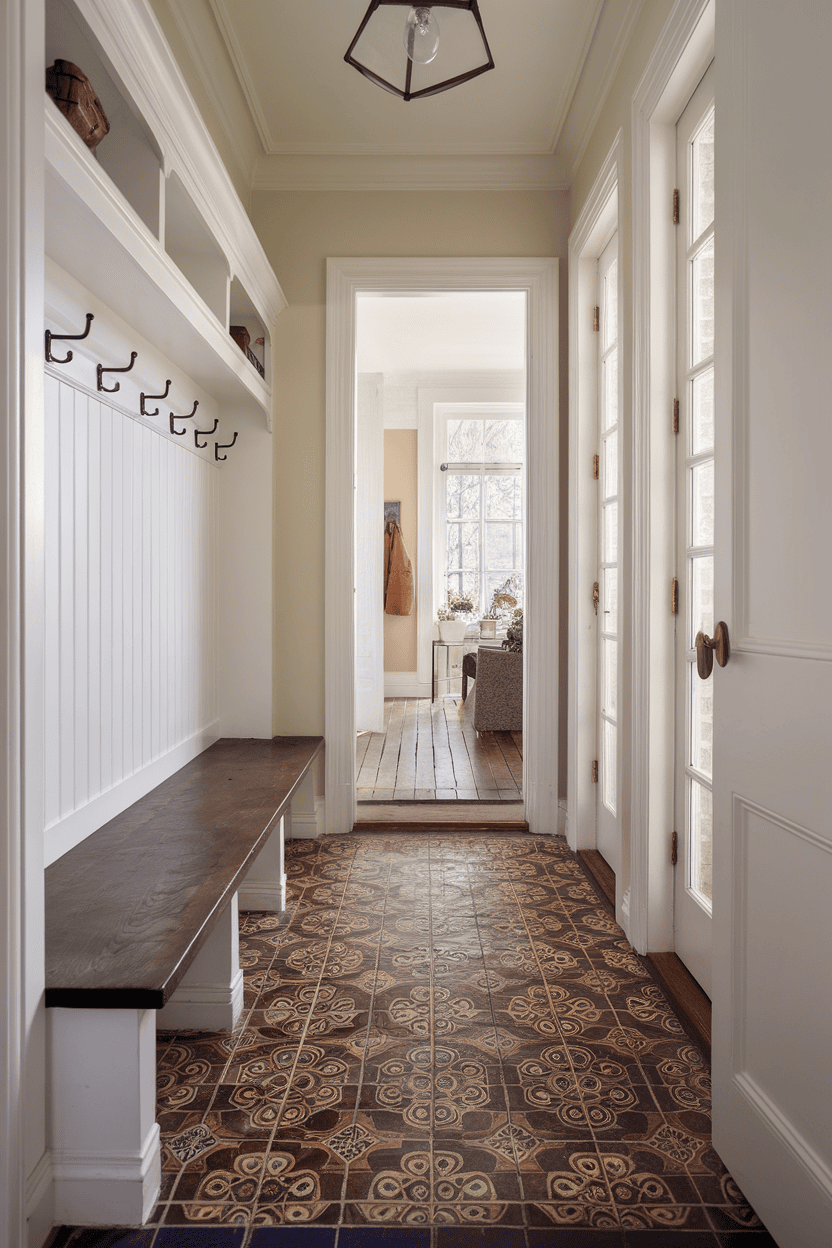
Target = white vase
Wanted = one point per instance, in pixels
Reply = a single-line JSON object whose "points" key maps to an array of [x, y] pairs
{"points": [[488, 628], [452, 630]]}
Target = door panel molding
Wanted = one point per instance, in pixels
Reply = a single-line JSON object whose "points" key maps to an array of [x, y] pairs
{"points": [[784, 1130], [538, 278]]}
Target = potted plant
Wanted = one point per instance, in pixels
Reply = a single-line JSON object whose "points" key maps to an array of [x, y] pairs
{"points": [[501, 600], [514, 636], [453, 617]]}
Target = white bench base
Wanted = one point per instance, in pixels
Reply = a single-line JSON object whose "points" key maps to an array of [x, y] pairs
{"points": [[104, 1140], [210, 994]]}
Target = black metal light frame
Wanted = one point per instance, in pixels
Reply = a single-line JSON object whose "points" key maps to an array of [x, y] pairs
{"points": [[407, 94]]}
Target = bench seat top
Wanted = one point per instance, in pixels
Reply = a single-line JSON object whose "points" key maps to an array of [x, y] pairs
{"points": [[128, 909]]}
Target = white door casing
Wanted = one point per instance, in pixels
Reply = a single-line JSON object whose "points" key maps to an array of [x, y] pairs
{"points": [[772, 984], [369, 555], [598, 220], [695, 530], [681, 56], [609, 516], [538, 279]]}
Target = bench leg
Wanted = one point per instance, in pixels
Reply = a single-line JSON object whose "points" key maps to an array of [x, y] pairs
{"points": [[304, 812], [264, 888], [104, 1140], [210, 994]]}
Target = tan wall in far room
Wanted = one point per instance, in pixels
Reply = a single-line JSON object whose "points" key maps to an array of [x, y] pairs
{"points": [[400, 485]]}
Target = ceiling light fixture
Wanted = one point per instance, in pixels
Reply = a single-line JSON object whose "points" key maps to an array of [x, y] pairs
{"points": [[373, 51]]}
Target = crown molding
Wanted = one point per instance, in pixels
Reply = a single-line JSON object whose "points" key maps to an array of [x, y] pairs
{"points": [[592, 17], [197, 35], [238, 60], [409, 173], [620, 44]]}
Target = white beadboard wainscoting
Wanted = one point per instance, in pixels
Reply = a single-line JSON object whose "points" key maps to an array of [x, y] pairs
{"points": [[131, 588]]}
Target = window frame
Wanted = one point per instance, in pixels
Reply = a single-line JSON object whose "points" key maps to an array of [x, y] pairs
{"points": [[443, 412]]}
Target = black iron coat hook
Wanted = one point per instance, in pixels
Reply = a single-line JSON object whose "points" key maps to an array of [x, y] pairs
{"points": [[180, 433], [224, 446], [50, 338], [143, 397], [198, 433], [101, 370]]}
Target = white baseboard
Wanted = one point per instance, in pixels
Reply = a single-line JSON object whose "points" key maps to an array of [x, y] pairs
{"points": [[259, 895], [79, 824], [203, 1007], [405, 685], [40, 1202], [306, 824], [106, 1189]]}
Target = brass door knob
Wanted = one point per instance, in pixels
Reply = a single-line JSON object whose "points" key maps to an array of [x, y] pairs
{"points": [[707, 647]]}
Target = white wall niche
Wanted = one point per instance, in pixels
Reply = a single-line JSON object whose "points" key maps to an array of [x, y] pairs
{"points": [[243, 312], [194, 250], [130, 153]]}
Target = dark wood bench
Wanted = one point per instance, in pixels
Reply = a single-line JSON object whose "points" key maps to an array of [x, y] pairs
{"points": [[142, 917]]}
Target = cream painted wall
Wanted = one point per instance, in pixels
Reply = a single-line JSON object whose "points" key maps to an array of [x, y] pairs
{"points": [[400, 484], [299, 230]]}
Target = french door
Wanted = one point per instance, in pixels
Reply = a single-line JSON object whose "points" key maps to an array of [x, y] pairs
{"points": [[607, 804], [695, 529]]}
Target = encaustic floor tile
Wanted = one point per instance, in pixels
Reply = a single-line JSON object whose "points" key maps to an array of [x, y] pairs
{"points": [[446, 1037]]}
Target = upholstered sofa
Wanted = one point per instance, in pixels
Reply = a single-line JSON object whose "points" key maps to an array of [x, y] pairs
{"points": [[498, 691]]}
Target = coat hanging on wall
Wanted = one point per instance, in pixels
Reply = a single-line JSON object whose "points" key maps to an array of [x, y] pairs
{"points": [[398, 572]]}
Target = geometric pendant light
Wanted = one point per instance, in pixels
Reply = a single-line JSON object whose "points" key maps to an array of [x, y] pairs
{"points": [[437, 46]]}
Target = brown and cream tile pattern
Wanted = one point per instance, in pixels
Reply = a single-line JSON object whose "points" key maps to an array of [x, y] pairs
{"points": [[442, 1030]]}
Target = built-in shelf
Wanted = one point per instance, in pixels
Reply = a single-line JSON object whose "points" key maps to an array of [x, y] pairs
{"points": [[150, 222]]}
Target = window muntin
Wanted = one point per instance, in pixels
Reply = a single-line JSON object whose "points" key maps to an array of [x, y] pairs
{"points": [[484, 506]]}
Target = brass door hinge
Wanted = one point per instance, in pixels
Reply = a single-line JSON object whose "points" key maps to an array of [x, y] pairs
{"points": [[595, 771], [674, 849], [675, 207], [596, 596], [674, 597], [675, 415], [596, 320], [596, 467]]}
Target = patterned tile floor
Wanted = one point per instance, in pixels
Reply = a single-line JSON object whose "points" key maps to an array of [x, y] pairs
{"points": [[446, 1042]]}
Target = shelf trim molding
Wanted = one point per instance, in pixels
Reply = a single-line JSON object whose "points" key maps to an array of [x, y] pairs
{"points": [[131, 37]]}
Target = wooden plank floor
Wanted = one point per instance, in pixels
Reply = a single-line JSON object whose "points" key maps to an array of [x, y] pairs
{"points": [[430, 752]]}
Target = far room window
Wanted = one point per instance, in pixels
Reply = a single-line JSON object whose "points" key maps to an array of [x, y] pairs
{"points": [[481, 492]]}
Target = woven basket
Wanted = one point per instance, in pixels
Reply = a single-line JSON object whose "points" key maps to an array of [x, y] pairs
{"points": [[241, 336], [73, 93]]}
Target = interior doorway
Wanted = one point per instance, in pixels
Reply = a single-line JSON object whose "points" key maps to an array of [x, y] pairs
{"points": [[536, 282], [440, 530]]}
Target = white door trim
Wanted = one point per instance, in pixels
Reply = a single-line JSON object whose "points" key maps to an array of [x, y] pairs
{"points": [[599, 218], [538, 278], [22, 1063], [683, 52]]}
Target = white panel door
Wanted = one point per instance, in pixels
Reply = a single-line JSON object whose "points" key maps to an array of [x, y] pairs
{"points": [[369, 556], [772, 879]]}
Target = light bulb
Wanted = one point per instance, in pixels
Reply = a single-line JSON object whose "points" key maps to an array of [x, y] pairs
{"points": [[421, 35]]}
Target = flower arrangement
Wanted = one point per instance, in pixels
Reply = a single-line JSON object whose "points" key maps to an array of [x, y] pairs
{"points": [[502, 598], [456, 605], [514, 635]]}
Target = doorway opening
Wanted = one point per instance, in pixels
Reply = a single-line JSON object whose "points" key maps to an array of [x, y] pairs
{"points": [[535, 281], [440, 552]]}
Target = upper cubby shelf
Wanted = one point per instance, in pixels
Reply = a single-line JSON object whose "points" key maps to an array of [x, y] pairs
{"points": [[150, 222]]}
